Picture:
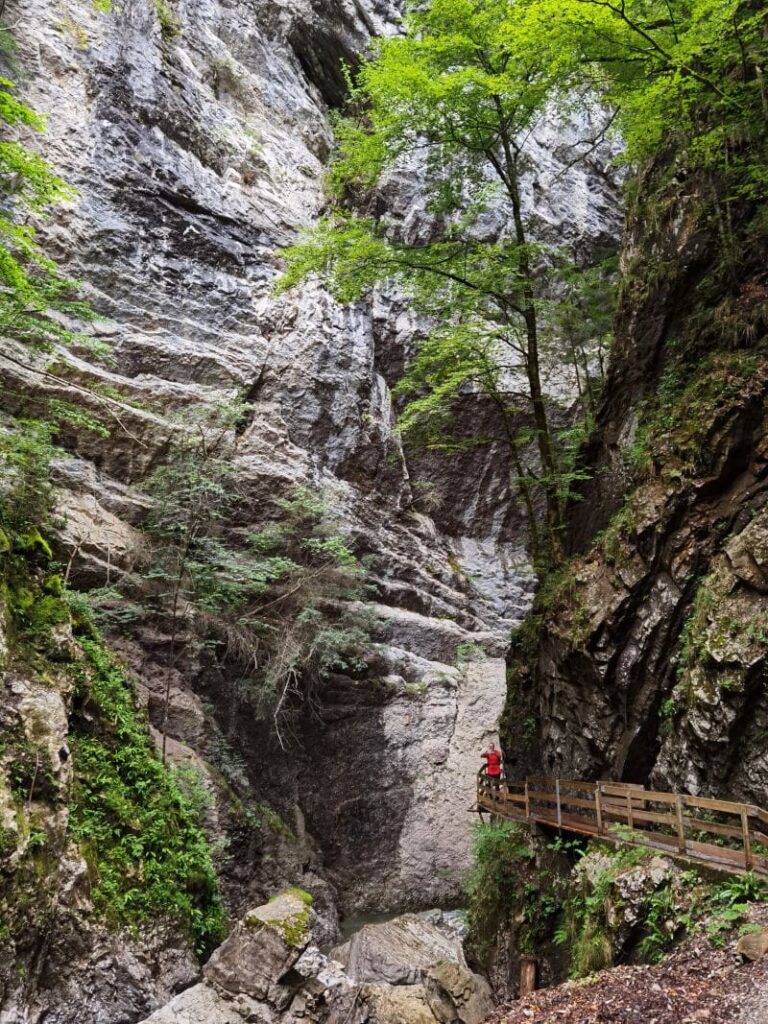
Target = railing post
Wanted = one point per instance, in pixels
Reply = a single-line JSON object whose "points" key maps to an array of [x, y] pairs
{"points": [[559, 810], [527, 802], [527, 976], [680, 825], [630, 818], [599, 808], [745, 835]]}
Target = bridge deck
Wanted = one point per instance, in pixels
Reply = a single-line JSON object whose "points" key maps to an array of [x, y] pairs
{"points": [[718, 833]]}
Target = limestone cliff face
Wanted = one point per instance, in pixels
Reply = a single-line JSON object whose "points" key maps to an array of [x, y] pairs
{"points": [[653, 647], [196, 133]]}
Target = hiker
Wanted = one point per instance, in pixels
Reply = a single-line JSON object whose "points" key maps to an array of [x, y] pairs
{"points": [[492, 757]]}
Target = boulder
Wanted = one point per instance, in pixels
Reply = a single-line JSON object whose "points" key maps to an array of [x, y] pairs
{"points": [[383, 1004], [202, 1004], [753, 945], [455, 994], [256, 958], [396, 952]]}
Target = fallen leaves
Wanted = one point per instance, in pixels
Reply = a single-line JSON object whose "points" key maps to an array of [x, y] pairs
{"points": [[698, 984]]}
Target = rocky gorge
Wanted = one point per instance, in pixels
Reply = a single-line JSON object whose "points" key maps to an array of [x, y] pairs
{"points": [[196, 136]]}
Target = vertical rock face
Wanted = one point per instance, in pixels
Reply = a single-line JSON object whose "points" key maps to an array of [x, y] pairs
{"points": [[653, 650], [196, 133]]}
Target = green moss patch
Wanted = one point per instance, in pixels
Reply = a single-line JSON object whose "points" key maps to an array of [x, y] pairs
{"points": [[148, 856]]}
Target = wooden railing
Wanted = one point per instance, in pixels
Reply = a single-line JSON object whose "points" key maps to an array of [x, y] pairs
{"points": [[717, 832]]}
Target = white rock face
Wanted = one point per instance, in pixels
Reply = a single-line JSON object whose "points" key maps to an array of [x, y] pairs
{"points": [[198, 153]]}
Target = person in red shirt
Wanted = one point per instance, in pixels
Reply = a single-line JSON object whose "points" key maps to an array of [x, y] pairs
{"points": [[492, 757]]}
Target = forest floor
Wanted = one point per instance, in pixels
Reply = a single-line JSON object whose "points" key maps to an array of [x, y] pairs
{"points": [[697, 984]]}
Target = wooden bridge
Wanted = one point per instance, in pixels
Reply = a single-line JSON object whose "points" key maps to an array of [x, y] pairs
{"points": [[717, 833]]}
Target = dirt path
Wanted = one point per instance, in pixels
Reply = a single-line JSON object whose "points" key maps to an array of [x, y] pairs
{"points": [[698, 984]]}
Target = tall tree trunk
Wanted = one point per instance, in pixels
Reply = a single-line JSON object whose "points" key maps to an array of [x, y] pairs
{"points": [[509, 175]]}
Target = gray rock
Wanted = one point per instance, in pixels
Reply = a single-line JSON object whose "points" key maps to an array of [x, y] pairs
{"points": [[397, 951], [456, 994], [197, 158], [261, 950]]}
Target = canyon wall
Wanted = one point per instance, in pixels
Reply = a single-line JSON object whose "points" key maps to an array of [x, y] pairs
{"points": [[651, 665], [196, 133]]}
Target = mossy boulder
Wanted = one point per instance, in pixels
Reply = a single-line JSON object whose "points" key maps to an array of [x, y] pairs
{"points": [[258, 955]]}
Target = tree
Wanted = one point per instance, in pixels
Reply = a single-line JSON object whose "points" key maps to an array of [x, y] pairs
{"points": [[687, 81], [461, 91]]}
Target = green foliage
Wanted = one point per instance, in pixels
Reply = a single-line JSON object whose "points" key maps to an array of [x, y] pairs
{"points": [[460, 91], [26, 494], [469, 652], [725, 906], [680, 905], [587, 928], [499, 852], [615, 540], [147, 855], [269, 606], [695, 398], [170, 26], [294, 929], [31, 286], [682, 74]]}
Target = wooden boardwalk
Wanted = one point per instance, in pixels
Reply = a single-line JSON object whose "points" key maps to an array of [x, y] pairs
{"points": [[717, 833]]}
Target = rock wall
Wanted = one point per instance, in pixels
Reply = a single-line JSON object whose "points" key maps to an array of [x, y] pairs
{"points": [[651, 666], [196, 133], [197, 148]]}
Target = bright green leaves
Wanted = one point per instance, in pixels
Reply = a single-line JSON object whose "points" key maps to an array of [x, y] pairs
{"points": [[349, 253], [26, 491], [31, 287], [444, 89], [148, 857], [678, 71]]}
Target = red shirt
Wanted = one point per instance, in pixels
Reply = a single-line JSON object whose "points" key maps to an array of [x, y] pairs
{"points": [[493, 757]]}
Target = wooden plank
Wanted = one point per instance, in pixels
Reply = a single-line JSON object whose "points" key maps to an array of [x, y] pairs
{"points": [[613, 788], [582, 787], [541, 794], [572, 801], [619, 811], [702, 825], [628, 805], [708, 804], [660, 798], [514, 798], [620, 788], [598, 809]]}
